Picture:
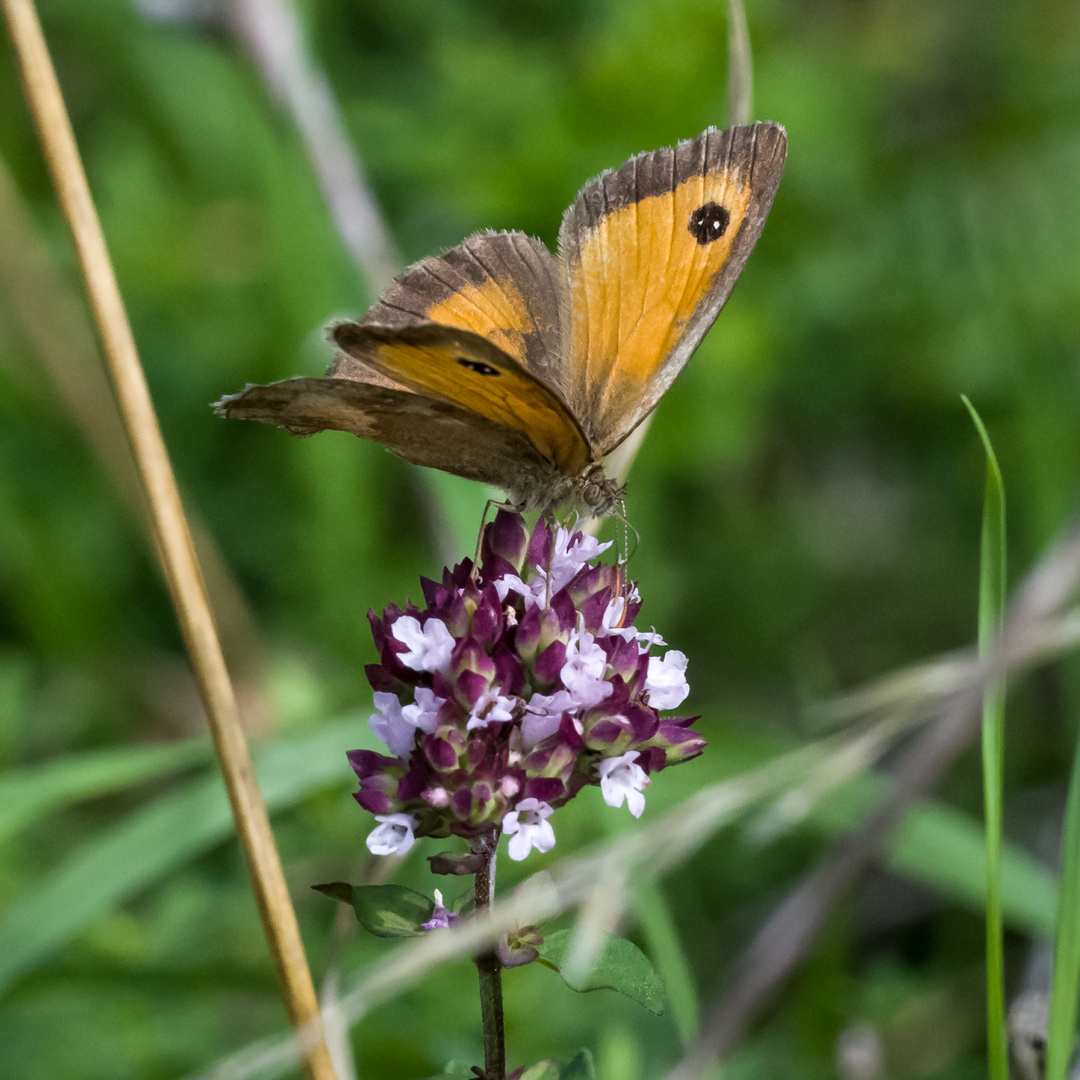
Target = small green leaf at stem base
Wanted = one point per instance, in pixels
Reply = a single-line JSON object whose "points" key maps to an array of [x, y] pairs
{"points": [[579, 1068], [620, 965], [384, 910]]}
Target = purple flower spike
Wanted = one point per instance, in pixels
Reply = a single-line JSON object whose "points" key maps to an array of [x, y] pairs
{"points": [[516, 686]]}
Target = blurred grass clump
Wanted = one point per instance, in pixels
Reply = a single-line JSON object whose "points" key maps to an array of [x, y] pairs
{"points": [[808, 497]]}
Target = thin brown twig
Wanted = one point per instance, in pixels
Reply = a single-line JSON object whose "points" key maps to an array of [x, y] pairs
{"points": [[740, 66], [171, 536]]}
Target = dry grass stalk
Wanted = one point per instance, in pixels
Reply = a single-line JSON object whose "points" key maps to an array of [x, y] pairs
{"points": [[171, 536]]}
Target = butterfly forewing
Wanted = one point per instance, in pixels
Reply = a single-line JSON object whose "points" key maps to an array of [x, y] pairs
{"points": [[651, 252]]}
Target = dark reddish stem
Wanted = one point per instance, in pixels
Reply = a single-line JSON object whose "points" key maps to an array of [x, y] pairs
{"points": [[487, 964]]}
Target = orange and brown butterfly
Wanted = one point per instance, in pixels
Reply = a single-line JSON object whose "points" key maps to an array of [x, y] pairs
{"points": [[502, 363]]}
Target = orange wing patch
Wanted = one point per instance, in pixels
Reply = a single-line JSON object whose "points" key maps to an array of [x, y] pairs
{"points": [[460, 367], [650, 253], [495, 310], [635, 319], [506, 287]]}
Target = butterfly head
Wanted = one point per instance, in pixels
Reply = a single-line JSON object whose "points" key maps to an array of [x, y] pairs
{"points": [[596, 493]]}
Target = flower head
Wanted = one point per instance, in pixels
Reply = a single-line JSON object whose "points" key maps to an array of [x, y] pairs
{"points": [[520, 682]]}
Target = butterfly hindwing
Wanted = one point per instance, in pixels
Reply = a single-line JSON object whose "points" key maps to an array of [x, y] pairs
{"points": [[650, 253], [422, 430], [464, 369]]}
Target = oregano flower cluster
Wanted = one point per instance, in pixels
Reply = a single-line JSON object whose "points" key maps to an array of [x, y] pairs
{"points": [[522, 681]]}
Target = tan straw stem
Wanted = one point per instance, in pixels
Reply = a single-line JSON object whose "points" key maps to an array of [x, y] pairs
{"points": [[171, 536]]}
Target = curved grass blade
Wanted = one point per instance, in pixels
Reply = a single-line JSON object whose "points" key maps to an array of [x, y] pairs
{"points": [[991, 609], [1066, 978]]}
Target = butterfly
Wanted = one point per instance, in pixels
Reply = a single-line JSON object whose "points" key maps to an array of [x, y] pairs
{"points": [[500, 362]]}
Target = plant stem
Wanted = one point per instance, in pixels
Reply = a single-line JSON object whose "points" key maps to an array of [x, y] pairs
{"points": [[488, 965]]}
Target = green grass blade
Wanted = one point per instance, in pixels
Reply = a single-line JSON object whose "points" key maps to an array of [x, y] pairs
{"points": [[152, 841], [991, 607], [28, 794], [1066, 978]]}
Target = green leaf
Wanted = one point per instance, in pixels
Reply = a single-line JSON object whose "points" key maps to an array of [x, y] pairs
{"points": [[455, 1070], [620, 965], [384, 910], [579, 1068], [542, 1070], [28, 794]]}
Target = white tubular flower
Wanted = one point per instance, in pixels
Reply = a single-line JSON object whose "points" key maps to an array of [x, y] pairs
{"points": [[647, 639], [666, 680], [424, 712], [583, 672], [612, 619], [568, 557], [394, 836], [528, 828], [429, 646], [621, 779], [391, 727], [491, 709], [543, 714], [533, 593]]}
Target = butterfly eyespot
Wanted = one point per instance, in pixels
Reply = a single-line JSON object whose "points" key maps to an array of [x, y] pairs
{"points": [[708, 223], [477, 366]]}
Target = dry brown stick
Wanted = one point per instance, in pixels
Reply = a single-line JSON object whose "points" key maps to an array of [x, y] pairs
{"points": [[780, 946], [171, 536], [740, 66]]}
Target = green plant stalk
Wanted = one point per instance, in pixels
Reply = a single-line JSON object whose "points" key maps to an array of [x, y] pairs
{"points": [[1067, 944], [488, 965], [991, 607]]}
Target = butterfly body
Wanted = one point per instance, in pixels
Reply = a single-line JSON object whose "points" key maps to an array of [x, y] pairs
{"points": [[500, 362]]}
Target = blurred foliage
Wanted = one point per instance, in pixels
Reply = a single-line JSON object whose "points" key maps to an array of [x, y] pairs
{"points": [[808, 498]]}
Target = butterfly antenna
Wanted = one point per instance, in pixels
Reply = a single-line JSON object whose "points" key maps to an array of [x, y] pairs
{"points": [[624, 529]]}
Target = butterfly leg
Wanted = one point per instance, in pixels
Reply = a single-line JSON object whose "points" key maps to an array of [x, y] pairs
{"points": [[499, 505]]}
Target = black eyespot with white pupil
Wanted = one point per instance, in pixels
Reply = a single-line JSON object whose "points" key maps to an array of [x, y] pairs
{"points": [[709, 223], [477, 366]]}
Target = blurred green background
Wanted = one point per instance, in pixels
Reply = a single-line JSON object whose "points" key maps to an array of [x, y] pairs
{"points": [[808, 498]]}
